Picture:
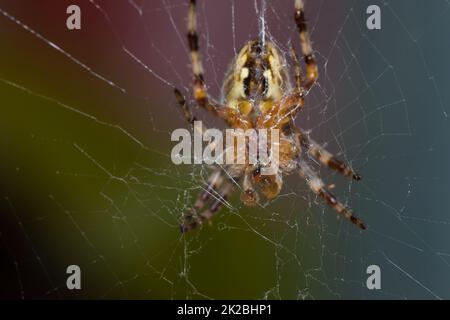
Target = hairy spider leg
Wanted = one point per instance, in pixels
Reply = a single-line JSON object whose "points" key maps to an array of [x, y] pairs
{"points": [[218, 203], [192, 219], [318, 187], [297, 70], [312, 72], [327, 158], [199, 87], [187, 113]]}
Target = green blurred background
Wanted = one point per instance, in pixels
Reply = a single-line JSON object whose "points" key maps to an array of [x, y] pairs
{"points": [[86, 176]]}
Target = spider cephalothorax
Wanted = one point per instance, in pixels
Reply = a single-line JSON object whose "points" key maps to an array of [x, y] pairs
{"points": [[257, 94]]}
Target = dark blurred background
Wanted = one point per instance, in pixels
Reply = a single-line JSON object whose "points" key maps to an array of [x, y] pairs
{"points": [[86, 176]]}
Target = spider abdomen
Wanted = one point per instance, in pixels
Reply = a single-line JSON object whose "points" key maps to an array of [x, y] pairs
{"points": [[257, 77]]}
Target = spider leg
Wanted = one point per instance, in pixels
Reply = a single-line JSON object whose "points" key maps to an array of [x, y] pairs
{"points": [[194, 220], [327, 158], [191, 219], [184, 107], [312, 72], [224, 178], [318, 187], [297, 70], [200, 92], [218, 203]]}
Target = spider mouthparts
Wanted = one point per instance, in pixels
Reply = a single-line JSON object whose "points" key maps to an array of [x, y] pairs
{"points": [[357, 177]]}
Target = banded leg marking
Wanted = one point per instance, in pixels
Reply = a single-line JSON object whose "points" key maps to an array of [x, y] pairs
{"points": [[318, 187]]}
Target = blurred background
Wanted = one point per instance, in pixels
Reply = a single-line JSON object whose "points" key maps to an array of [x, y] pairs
{"points": [[86, 176]]}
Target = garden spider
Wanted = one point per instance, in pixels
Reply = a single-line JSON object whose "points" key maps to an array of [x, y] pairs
{"points": [[257, 93]]}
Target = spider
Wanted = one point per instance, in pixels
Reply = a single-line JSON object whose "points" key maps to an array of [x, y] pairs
{"points": [[257, 93]]}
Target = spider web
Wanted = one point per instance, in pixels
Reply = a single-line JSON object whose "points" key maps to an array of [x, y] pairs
{"points": [[87, 177]]}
